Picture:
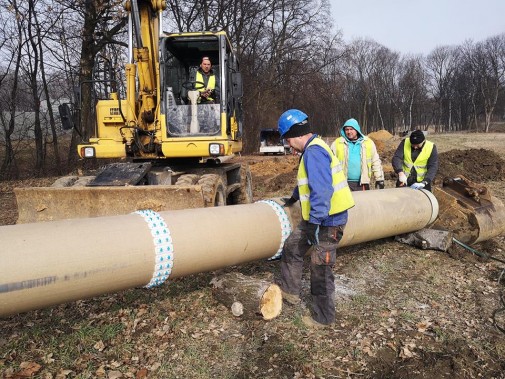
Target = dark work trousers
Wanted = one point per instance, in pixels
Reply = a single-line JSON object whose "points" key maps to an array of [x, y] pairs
{"points": [[322, 260], [355, 186]]}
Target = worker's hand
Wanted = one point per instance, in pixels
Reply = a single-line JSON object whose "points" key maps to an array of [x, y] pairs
{"points": [[379, 184], [312, 233], [418, 186], [288, 201], [402, 178]]}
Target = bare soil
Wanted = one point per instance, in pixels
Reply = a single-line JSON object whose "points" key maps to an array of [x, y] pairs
{"points": [[401, 312]]}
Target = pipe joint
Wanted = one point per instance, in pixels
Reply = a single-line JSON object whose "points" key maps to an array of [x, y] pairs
{"points": [[284, 223], [163, 247]]}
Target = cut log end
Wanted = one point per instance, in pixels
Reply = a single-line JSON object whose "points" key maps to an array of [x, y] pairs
{"points": [[271, 302]]}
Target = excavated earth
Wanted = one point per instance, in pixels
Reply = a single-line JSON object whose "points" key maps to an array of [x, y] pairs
{"points": [[401, 312]]}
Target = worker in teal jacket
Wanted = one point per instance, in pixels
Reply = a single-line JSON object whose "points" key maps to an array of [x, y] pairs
{"points": [[359, 157]]}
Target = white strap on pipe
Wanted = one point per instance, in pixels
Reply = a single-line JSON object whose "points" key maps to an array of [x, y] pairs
{"points": [[163, 247], [283, 222]]}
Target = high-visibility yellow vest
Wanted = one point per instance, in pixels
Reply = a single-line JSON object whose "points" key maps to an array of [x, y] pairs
{"points": [[341, 199], [421, 163], [341, 155], [211, 84]]}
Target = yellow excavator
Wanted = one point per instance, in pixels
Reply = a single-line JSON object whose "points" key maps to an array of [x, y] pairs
{"points": [[171, 150]]}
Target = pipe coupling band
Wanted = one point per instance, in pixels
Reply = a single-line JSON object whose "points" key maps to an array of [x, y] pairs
{"points": [[284, 223], [163, 247]]}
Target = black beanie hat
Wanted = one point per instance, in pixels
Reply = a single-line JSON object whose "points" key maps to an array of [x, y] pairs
{"points": [[416, 137], [298, 130]]}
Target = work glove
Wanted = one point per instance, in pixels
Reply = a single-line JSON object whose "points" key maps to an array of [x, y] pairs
{"points": [[312, 233], [418, 186], [288, 201], [402, 178], [379, 184]]}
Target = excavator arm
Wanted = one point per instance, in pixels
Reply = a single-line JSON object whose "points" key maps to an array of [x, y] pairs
{"points": [[144, 19]]}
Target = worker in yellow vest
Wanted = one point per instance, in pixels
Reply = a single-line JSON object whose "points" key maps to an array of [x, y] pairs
{"points": [[206, 82], [359, 157], [416, 162], [324, 199]]}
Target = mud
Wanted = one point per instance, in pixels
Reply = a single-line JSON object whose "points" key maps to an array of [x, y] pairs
{"points": [[478, 165]]}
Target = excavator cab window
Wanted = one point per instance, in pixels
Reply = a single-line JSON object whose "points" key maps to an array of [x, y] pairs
{"points": [[185, 114]]}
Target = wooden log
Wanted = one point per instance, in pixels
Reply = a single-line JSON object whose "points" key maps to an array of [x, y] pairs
{"points": [[248, 297]]}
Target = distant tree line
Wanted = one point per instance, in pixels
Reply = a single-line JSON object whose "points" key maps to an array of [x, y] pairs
{"points": [[291, 55]]}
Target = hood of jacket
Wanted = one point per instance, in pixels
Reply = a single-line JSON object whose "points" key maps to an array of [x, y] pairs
{"points": [[353, 124]]}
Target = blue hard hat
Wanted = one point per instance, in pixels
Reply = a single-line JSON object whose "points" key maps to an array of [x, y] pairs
{"points": [[290, 118]]}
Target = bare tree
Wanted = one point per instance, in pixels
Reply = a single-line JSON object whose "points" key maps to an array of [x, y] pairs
{"points": [[101, 23], [411, 92], [442, 65], [487, 62], [361, 63], [13, 27]]}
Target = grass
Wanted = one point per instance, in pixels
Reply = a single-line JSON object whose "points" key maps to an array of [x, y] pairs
{"points": [[63, 348], [361, 300], [408, 316], [440, 334]]}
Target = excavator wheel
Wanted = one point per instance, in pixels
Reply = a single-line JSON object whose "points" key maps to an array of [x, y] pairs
{"points": [[214, 191], [187, 180], [72, 181], [244, 195]]}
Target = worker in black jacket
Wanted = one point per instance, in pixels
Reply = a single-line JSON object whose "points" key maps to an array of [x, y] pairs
{"points": [[416, 162]]}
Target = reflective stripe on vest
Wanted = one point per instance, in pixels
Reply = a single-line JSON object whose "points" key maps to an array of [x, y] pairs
{"points": [[421, 163], [211, 82], [341, 155], [341, 199]]}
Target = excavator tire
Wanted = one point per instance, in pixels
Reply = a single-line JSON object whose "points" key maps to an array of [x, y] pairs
{"points": [[72, 181], [244, 195], [213, 189], [187, 180]]}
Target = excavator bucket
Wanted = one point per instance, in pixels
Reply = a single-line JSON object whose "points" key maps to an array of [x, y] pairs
{"points": [[469, 210], [52, 203]]}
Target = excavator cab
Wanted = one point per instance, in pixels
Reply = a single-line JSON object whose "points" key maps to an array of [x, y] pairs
{"points": [[162, 117], [185, 115]]}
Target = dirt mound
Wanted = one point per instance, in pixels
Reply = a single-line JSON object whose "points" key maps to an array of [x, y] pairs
{"points": [[275, 177], [380, 135], [383, 142], [476, 164]]}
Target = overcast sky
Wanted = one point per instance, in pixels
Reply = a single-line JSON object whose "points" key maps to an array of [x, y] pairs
{"points": [[418, 26]]}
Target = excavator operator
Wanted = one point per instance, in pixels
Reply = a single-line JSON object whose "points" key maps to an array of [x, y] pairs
{"points": [[209, 93]]}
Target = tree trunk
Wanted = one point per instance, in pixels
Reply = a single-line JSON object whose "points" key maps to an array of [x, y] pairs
{"points": [[33, 73], [52, 123], [9, 168], [248, 297]]}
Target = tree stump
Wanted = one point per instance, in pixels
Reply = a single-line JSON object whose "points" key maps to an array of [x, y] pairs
{"points": [[248, 297]]}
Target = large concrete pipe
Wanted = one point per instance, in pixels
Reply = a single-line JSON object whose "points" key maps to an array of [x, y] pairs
{"points": [[51, 263]]}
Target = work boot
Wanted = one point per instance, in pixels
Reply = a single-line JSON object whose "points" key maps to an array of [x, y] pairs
{"points": [[290, 298], [310, 323]]}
